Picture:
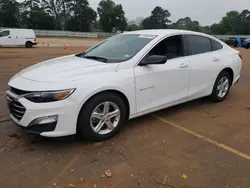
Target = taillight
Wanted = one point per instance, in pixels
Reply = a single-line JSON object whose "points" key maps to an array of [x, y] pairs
{"points": [[241, 56]]}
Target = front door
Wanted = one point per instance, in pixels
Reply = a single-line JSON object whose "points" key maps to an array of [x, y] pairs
{"points": [[6, 38], [164, 84]]}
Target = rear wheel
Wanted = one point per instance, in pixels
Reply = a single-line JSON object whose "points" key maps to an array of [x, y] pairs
{"points": [[221, 87], [101, 117], [28, 44]]}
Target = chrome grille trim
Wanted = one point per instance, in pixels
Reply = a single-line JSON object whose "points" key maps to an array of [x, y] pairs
{"points": [[17, 110]]}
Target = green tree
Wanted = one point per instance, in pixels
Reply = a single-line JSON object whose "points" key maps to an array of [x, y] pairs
{"points": [[37, 18], [147, 24], [186, 24], [216, 29], [243, 23], [30, 4], [206, 29], [9, 13], [34, 17], [83, 16], [133, 27], [65, 12], [54, 8], [158, 19], [233, 23], [111, 16], [229, 23]]}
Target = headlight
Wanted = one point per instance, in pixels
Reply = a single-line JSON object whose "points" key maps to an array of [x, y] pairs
{"points": [[49, 96]]}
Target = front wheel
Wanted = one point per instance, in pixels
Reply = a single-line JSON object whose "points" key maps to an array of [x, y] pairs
{"points": [[101, 117], [221, 87], [28, 44]]}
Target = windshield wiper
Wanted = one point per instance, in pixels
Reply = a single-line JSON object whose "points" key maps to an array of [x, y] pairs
{"points": [[96, 58]]}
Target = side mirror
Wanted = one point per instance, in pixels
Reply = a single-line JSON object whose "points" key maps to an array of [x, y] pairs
{"points": [[154, 59]]}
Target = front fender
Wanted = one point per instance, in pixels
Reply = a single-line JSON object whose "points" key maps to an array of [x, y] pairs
{"points": [[123, 84]]}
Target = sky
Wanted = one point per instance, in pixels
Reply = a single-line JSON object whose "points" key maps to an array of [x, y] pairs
{"points": [[206, 12]]}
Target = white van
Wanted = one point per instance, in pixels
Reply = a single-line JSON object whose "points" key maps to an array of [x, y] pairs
{"points": [[16, 37]]}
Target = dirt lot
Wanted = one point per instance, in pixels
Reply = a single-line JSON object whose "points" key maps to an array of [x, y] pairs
{"points": [[194, 145]]}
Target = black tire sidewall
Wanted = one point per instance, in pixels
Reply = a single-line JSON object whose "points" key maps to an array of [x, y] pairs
{"points": [[214, 96], [83, 124], [28, 44]]}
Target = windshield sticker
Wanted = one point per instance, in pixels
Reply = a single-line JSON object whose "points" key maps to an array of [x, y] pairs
{"points": [[147, 36], [127, 56]]}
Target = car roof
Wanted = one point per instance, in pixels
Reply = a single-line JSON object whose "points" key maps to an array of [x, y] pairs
{"points": [[21, 29], [164, 32]]}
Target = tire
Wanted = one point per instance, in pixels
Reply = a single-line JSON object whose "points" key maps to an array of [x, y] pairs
{"points": [[216, 95], [28, 44], [87, 123]]}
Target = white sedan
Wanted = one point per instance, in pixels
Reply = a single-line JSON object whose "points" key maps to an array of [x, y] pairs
{"points": [[123, 77]]}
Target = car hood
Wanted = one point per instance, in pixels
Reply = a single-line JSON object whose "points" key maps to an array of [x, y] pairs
{"points": [[66, 68]]}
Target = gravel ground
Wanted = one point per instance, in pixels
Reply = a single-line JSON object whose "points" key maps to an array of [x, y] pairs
{"points": [[198, 144]]}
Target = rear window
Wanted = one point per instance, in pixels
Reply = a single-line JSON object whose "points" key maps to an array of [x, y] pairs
{"points": [[216, 45], [4, 33], [198, 44]]}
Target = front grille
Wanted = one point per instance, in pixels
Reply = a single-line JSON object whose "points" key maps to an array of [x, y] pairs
{"points": [[17, 110]]}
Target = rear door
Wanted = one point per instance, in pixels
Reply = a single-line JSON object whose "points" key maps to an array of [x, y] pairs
{"points": [[6, 39], [205, 63]]}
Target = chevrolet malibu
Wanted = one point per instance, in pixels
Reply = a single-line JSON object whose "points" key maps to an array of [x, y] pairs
{"points": [[123, 77]]}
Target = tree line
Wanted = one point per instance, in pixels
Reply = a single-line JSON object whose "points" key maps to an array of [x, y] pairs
{"points": [[77, 15]]}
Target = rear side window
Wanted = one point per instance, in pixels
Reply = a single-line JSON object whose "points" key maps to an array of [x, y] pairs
{"points": [[197, 44], [216, 45], [5, 33]]}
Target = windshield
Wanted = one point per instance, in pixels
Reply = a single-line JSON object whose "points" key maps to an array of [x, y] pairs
{"points": [[119, 48]]}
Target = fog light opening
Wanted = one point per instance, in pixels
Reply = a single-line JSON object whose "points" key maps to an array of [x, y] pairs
{"points": [[44, 120]]}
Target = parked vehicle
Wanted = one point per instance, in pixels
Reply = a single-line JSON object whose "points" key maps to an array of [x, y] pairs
{"points": [[246, 43], [123, 77], [17, 37], [231, 41]]}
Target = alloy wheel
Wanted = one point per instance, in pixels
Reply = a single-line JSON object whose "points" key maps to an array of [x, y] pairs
{"points": [[105, 118], [222, 87]]}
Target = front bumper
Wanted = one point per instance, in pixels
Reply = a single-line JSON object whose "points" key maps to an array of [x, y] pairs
{"points": [[38, 129], [66, 112]]}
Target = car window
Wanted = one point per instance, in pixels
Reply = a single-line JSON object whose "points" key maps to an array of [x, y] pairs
{"points": [[197, 44], [171, 47], [5, 33], [216, 45]]}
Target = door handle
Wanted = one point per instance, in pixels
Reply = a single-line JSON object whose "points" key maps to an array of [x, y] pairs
{"points": [[9, 37], [216, 59], [183, 66]]}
